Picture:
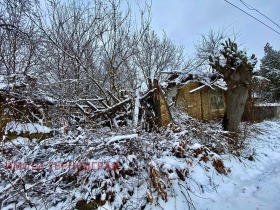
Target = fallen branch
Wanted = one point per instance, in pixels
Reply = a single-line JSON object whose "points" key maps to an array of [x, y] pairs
{"points": [[118, 138]]}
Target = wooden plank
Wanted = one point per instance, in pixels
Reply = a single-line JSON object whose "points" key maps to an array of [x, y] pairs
{"points": [[92, 105]]}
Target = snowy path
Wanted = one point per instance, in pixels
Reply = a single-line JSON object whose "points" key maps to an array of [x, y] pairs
{"points": [[261, 192], [252, 185]]}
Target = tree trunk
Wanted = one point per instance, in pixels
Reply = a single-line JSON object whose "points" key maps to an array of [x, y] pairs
{"points": [[249, 112], [237, 69], [236, 97]]}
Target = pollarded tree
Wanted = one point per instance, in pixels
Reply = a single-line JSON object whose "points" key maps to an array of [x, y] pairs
{"points": [[237, 69]]}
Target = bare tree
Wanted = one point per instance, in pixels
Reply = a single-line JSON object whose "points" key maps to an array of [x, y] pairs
{"points": [[117, 45], [122, 44], [18, 41], [157, 54], [94, 50], [93, 43], [208, 45], [71, 50]]}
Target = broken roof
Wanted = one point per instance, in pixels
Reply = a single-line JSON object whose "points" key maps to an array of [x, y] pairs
{"points": [[210, 80]]}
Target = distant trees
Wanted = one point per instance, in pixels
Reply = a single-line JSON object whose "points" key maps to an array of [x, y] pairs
{"points": [[270, 69], [236, 68]]}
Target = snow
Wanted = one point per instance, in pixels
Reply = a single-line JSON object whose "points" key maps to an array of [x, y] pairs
{"points": [[2, 86], [195, 146], [118, 138], [238, 61], [254, 184], [250, 185], [220, 83], [171, 163], [268, 104], [252, 61], [260, 78], [26, 127], [3, 83], [136, 108], [203, 78], [222, 62], [20, 141], [198, 88]]}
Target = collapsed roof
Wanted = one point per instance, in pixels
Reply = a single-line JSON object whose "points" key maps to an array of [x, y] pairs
{"points": [[205, 80]]}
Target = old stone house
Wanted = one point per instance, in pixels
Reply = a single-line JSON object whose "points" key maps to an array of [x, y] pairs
{"points": [[201, 97]]}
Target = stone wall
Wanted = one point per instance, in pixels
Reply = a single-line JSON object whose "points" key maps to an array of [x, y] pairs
{"points": [[209, 114], [189, 102], [266, 112], [197, 103]]}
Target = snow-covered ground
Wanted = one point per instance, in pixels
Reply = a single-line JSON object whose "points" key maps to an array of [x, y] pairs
{"points": [[175, 161], [19, 128], [251, 185]]}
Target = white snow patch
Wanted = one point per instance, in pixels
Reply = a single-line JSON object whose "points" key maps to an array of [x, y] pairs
{"points": [[117, 138], [250, 184], [268, 104], [195, 146], [26, 127], [223, 62], [196, 89], [220, 83]]}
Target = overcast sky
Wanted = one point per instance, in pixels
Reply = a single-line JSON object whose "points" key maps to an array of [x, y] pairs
{"points": [[185, 20]]}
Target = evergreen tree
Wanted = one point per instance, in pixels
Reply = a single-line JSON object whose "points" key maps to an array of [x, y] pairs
{"points": [[270, 68]]}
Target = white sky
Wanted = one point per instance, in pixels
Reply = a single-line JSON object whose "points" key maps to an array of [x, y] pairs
{"points": [[185, 20]]}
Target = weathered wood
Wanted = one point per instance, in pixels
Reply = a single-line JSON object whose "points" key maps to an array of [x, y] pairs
{"points": [[113, 97], [82, 109], [104, 104], [92, 105], [109, 110], [160, 106], [121, 110]]}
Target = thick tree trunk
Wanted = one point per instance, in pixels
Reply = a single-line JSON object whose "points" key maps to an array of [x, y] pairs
{"points": [[236, 97], [249, 112], [237, 69]]}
